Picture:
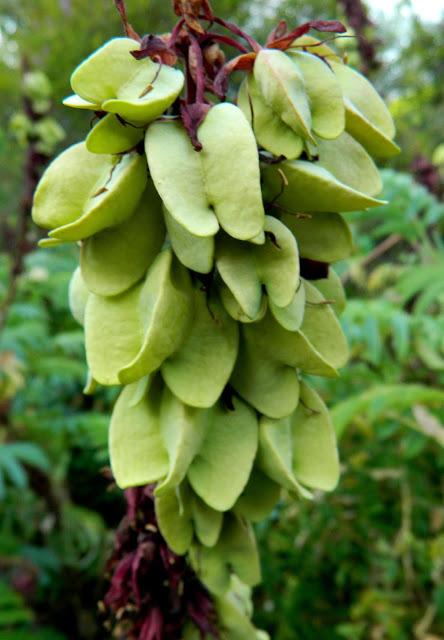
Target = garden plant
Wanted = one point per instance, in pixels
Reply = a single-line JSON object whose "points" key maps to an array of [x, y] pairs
{"points": [[209, 207]]}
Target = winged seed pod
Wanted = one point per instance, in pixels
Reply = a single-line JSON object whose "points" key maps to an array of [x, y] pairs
{"points": [[207, 236]]}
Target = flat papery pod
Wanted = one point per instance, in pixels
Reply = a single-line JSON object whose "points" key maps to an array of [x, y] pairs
{"points": [[274, 265], [198, 371], [116, 258], [112, 334], [367, 117], [82, 193], [322, 236], [271, 132], [229, 447], [332, 289], [76, 102], [324, 94], [301, 186], [291, 316], [137, 452], [314, 46], [165, 309], [111, 135], [282, 87], [315, 453], [268, 384], [235, 552], [138, 90], [230, 157], [235, 624], [78, 296], [193, 185], [207, 522], [322, 330], [196, 253], [173, 516], [49, 243], [259, 497], [275, 456], [350, 163], [183, 430], [233, 307]]}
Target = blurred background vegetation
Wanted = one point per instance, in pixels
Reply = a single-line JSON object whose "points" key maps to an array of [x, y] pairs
{"points": [[366, 562]]}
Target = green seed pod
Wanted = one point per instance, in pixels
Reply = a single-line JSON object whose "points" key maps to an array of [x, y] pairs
{"points": [[282, 87], [110, 135], [324, 94], [367, 118], [291, 316], [198, 371], [207, 522], [259, 497], [235, 553], [137, 90], [137, 452], [245, 271], [331, 288], [165, 311], [271, 132], [82, 193], [174, 518], [314, 46], [298, 186], [196, 253], [76, 102], [233, 307], [116, 258], [322, 236], [78, 296], [193, 184], [230, 444], [183, 430]]}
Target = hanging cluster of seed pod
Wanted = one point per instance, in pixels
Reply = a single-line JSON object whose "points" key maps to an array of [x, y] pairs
{"points": [[207, 229]]}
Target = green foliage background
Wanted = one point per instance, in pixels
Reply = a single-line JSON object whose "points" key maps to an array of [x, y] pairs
{"points": [[366, 562]]}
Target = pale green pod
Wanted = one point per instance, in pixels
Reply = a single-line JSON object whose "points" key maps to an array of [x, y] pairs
{"points": [[78, 296], [82, 193], [198, 371], [322, 236], [49, 243], [315, 46], [367, 117], [207, 522], [245, 270], [349, 162], [268, 384], [324, 94], [165, 309], [283, 89], [332, 289], [116, 258], [275, 455], [137, 452], [271, 132], [314, 450], [76, 102], [259, 497], [305, 186], [230, 447], [174, 518], [183, 430], [112, 334], [111, 136], [178, 174], [233, 307], [235, 624], [196, 253], [323, 332], [291, 316], [138, 90], [232, 176], [235, 553]]}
